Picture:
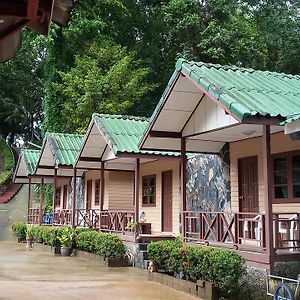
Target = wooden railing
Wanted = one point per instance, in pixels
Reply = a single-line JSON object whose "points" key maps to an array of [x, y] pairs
{"points": [[230, 229], [87, 218], [115, 221], [287, 231], [242, 230], [62, 217], [33, 216]]}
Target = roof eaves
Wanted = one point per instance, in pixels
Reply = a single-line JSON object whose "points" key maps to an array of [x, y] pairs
{"points": [[225, 98]]}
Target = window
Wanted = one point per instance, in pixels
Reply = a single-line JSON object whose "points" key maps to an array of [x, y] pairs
{"points": [[57, 196], [97, 191], [286, 177], [149, 190]]}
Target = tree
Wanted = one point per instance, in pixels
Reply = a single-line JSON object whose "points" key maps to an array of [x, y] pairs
{"points": [[21, 91], [107, 78]]}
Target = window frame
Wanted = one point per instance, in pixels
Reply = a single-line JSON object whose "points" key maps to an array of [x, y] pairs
{"points": [[289, 158], [148, 204]]}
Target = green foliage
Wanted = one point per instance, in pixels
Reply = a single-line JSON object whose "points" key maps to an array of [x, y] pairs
{"points": [[46, 234], [109, 245], [21, 90], [5, 180], [19, 229], [222, 267], [30, 231], [48, 194], [8, 157], [66, 236], [104, 244]]}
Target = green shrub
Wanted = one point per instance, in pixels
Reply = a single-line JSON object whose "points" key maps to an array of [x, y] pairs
{"points": [[109, 245], [19, 229], [85, 240], [222, 267], [104, 244], [160, 254]]}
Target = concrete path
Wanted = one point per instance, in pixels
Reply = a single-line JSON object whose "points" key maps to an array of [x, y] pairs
{"points": [[13, 211], [35, 274]]}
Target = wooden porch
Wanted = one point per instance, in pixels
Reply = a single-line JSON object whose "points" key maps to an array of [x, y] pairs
{"points": [[245, 233]]}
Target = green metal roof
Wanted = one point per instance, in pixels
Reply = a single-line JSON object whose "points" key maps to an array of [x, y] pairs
{"points": [[124, 133], [291, 118], [65, 147], [245, 92], [31, 158]]}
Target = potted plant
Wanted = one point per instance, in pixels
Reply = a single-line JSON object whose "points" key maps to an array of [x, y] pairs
{"points": [[66, 237], [29, 235]]}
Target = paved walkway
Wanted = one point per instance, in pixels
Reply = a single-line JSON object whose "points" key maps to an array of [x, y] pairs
{"points": [[35, 274]]}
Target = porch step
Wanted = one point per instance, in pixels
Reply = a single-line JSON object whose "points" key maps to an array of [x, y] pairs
{"points": [[143, 246]]}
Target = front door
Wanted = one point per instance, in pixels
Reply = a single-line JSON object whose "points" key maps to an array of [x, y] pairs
{"points": [[167, 194], [89, 194], [248, 184]]}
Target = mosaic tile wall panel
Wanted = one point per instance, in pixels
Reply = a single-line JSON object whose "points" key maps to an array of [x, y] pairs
{"points": [[208, 182]]}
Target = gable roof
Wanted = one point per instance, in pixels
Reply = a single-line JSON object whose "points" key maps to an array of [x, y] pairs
{"points": [[31, 158], [64, 147], [124, 133], [245, 92]]}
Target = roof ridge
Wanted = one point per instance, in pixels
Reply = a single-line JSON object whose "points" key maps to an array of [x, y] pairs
{"points": [[234, 68], [63, 134], [124, 117]]}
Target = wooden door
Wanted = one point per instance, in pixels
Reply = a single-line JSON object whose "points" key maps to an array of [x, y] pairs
{"points": [[65, 197], [89, 187], [167, 195], [248, 184]]}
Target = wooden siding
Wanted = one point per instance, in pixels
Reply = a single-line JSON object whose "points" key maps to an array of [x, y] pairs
{"points": [[121, 187], [118, 194], [153, 214], [279, 143]]}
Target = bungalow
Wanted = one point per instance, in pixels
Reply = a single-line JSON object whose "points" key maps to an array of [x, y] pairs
{"points": [[24, 174], [126, 184], [55, 164], [206, 107]]}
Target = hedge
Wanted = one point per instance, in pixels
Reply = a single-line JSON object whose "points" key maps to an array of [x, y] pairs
{"points": [[104, 244], [222, 267]]}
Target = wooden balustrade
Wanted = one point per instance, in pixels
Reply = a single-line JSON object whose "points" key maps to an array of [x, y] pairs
{"points": [[286, 231], [229, 229], [33, 216], [115, 221], [87, 218], [62, 217], [242, 230]]}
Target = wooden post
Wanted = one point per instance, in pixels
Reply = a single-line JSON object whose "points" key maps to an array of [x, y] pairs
{"points": [[102, 191], [74, 198], [29, 202], [137, 191], [54, 194], [183, 185], [41, 202], [268, 196]]}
